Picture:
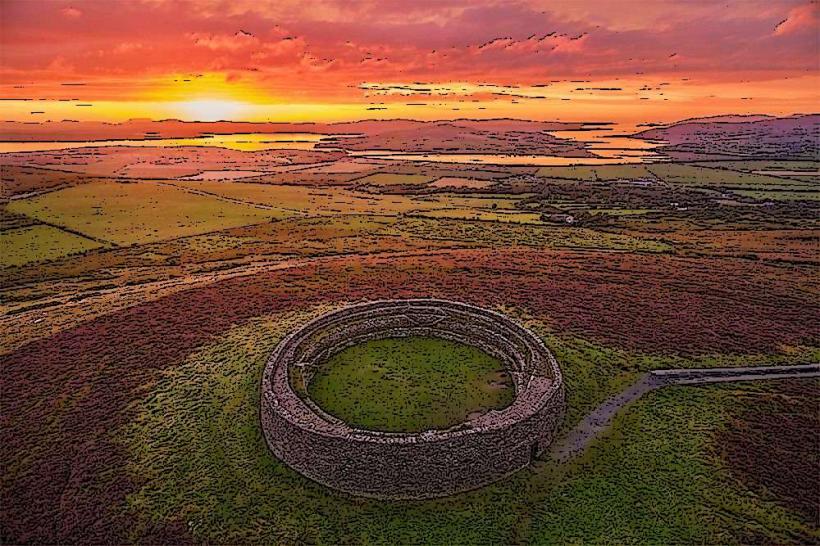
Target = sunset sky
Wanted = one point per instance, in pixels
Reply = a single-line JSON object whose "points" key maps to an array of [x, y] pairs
{"points": [[319, 60]]}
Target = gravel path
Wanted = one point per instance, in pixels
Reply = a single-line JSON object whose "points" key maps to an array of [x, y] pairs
{"points": [[576, 441]]}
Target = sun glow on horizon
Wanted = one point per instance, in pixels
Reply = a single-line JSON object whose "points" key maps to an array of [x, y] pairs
{"points": [[212, 110], [212, 97], [111, 61]]}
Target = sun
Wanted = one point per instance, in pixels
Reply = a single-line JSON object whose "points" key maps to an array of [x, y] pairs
{"points": [[212, 110]]}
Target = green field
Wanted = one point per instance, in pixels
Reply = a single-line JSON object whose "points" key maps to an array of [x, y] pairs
{"points": [[780, 195], [656, 477], [574, 173], [751, 165], [138, 212], [693, 175], [309, 200], [597, 173], [500, 235], [40, 243], [506, 216], [628, 172], [410, 384], [484, 201]]}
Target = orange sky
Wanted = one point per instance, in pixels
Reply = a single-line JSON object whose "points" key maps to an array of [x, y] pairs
{"points": [[287, 60]]}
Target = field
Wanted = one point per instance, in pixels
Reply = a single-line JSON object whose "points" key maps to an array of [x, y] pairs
{"points": [[515, 217], [784, 194], [410, 384], [41, 243], [138, 314], [390, 179], [125, 214]]}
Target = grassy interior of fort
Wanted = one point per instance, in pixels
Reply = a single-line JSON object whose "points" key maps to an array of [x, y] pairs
{"points": [[410, 384]]}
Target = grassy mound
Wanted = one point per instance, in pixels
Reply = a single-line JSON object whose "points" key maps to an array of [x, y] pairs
{"points": [[410, 384], [199, 463]]}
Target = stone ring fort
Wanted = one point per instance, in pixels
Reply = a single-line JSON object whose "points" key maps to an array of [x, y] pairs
{"points": [[401, 465]]}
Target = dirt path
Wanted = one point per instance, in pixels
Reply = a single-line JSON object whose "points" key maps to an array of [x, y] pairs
{"points": [[579, 438]]}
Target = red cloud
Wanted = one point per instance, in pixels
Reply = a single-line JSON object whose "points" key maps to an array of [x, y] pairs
{"points": [[534, 44], [799, 18], [293, 48], [230, 42]]}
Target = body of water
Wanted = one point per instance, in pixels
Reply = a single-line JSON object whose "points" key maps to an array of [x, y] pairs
{"points": [[246, 142], [608, 148], [500, 159]]}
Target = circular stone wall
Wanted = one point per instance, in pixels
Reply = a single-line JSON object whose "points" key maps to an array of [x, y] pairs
{"points": [[410, 465]]}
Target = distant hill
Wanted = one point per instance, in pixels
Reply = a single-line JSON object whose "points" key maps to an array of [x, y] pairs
{"points": [[794, 137], [727, 118], [464, 136], [729, 136], [68, 130], [139, 129], [510, 136]]}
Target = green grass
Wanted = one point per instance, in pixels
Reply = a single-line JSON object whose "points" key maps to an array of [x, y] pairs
{"points": [[693, 175], [502, 216], [311, 201], [487, 201], [628, 172], [780, 195], [506, 234], [680, 173], [138, 212], [410, 384], [39, 243], [597, 173], [658, 478], [198, 459], [763, 165], [572, 172]]}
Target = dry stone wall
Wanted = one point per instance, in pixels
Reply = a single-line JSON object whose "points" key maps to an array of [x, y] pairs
{"points": [[410, 465]]}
